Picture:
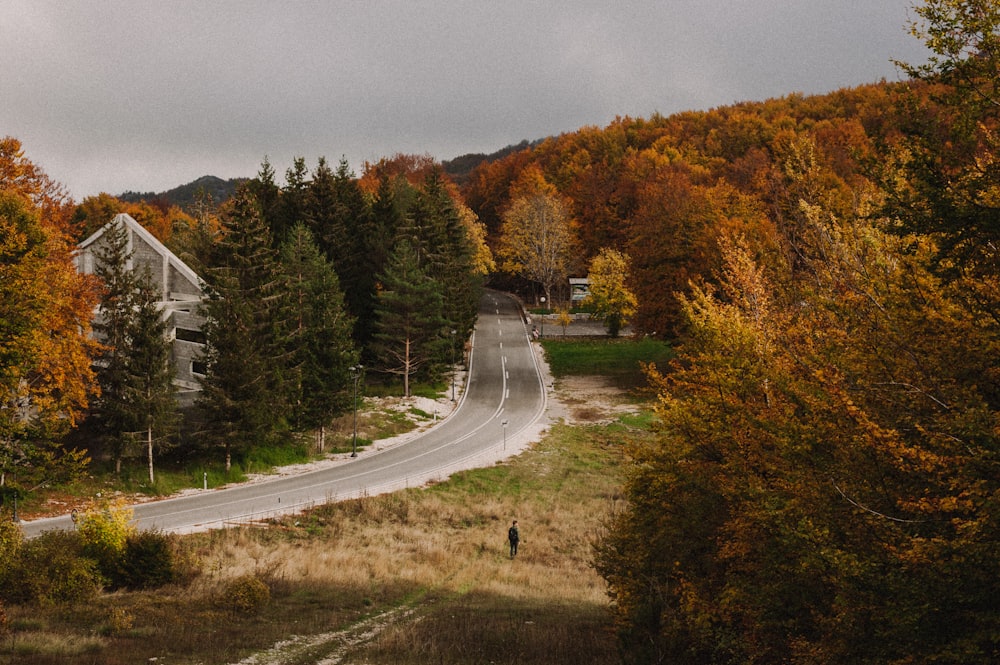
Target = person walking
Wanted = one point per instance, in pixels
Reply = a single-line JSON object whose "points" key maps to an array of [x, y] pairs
{"points": [[514, 538]]}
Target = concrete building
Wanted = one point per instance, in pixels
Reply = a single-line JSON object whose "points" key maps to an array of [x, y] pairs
{"points": [[181, 292], [579, 289]]}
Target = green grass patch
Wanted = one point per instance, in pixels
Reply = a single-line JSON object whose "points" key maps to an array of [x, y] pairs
{"points": [[417, 389], [263, 458], [618, 359]]}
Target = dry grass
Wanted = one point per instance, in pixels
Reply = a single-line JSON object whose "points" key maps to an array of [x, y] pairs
{"points": [[416, 576]]}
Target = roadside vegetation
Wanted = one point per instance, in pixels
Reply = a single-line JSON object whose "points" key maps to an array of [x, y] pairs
{"points": [[417, 576]]}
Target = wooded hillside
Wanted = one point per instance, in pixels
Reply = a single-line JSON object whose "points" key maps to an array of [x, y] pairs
{"points": [[826, 483]]}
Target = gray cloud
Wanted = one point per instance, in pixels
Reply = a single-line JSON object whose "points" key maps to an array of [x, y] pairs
{"points": [[112, 96]]}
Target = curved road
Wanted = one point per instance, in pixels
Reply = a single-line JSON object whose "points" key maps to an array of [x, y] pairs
{"points": [[503, 398]]}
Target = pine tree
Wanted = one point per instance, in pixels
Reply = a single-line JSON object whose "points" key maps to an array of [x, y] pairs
{"points": [[440, 238], [134, 371], [387, 216], [462, 283], [321, 349], [150, 372], [410, 326], [244, 391], [267, 193], [113, 419], [343, 225], [292, 204]]}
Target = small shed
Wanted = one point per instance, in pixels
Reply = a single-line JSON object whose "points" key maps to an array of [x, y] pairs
{"points": [[579, 289]]}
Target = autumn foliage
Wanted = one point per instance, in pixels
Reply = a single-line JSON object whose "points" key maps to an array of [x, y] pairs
{"points": [[45, 311], [825, 482]]}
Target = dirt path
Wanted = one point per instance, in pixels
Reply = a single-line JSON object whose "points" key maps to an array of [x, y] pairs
{"points": [[329, 648]]}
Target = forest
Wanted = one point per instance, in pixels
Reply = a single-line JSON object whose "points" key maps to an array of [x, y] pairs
{"points": [[824, 486]]}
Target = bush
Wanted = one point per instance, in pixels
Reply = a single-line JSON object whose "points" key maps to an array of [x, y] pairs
{"points": [[104, 531], [51, 569], [11, 538], [120, 622], [246, 595], [148, 561], [4, 623]]}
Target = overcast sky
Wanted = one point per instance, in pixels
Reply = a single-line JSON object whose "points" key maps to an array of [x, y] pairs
{"points": [[144, 96]]}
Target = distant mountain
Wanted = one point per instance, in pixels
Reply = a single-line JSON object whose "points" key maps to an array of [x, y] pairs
{"points": [[462, 166], [186, 196]]}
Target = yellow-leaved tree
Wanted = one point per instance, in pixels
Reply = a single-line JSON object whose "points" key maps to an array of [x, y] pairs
{"points": [[537, 240], [609, 297]]}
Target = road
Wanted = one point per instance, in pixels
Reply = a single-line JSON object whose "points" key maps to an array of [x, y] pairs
{"points": [[503, 400]]}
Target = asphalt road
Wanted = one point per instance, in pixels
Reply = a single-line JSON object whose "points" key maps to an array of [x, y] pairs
{"points": [[504, 398]]}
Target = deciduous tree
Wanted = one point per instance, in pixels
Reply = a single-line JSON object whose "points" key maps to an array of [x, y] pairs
{"points": [[945, 177], [536, 237], [610, 297], [45, 310]]}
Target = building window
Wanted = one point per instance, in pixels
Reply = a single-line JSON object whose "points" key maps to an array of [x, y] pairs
{"points": [[199, 367], [188, 335]]}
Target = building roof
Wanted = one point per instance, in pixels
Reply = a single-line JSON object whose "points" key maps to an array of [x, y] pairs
{"points": [[148, 238]]}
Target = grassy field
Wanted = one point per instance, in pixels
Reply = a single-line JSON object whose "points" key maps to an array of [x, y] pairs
{"points": [[419, 576], [616, 359]]}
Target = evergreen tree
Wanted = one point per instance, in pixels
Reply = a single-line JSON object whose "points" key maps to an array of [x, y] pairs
{"points": [[244, 391], [343, 225], [292, 205], [321, 349], [134, 372], [266, 191], [462, 284], [410, 327], [434, 227], [111, 415], [387, 216], [326, 216], [150, 372]]}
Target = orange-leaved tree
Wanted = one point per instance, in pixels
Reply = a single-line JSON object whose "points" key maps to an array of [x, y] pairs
{"points": [[825, 486], [45, 312]]}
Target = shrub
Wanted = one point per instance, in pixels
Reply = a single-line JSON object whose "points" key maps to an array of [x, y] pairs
{"points": [[11, 538], [120, 622], [148, 561], [104, 531], [4, 623], [246, 595], [51, 569]]}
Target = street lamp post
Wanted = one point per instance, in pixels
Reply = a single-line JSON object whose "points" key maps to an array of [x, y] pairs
{"points": [[542, 318], [453, 331], [355, 374]]}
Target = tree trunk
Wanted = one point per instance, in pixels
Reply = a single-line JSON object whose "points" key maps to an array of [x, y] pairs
{"points": [[149, 452], [406, 370]]}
